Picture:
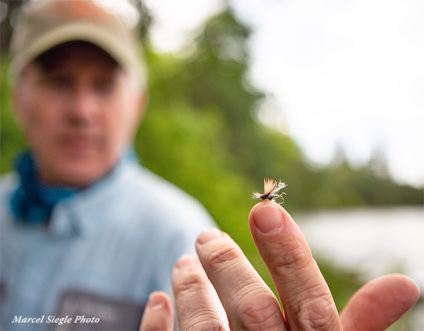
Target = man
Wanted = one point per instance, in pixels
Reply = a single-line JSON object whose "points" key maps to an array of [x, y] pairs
{"points": [[85, 231], [87, 235]]}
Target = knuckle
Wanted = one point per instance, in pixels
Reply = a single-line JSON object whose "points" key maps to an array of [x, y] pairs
{"points": [[263, 312], [319, 314], [221, 256], [190, 280], [154, 325], [295, 258], [211, 324]]}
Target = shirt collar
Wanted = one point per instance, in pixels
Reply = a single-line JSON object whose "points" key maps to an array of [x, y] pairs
{"points": [[81, 214]]}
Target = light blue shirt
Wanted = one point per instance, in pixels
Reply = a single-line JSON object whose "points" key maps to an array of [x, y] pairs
{"points": [[103, 252]]}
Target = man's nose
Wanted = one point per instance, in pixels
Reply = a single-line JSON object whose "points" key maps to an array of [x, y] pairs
{"points": [[83, 106]]}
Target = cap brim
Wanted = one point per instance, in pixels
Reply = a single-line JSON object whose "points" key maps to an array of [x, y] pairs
{"points": [[118, 49]]}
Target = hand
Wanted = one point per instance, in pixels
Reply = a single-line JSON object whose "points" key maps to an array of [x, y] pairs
{"points": [[250, 304]]}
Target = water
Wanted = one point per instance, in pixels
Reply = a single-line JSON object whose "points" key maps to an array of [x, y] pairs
{"points": [[371, 242]]}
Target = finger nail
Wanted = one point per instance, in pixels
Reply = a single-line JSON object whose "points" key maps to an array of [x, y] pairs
{"points": [[185, 261], [268, 218], [209, 235], [156, 301]]}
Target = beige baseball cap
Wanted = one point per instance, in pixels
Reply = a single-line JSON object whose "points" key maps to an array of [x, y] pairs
{"points": [[110, 25]]}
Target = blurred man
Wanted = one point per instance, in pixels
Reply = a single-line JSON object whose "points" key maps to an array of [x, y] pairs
{"points": [[85, 231], [87, 234]]}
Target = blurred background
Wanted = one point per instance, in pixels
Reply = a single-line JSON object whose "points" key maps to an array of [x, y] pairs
{"points": [[325, 95]]}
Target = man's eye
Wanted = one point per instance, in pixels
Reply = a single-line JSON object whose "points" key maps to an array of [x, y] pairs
{"points": [[59, 81], [104, 86]]}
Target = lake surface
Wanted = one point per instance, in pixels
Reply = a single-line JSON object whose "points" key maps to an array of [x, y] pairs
{"points": [[371, 242]]}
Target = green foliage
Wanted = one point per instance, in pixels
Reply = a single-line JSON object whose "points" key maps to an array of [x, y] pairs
{"points": [[11, 139], [341, 283], [188, 146]]}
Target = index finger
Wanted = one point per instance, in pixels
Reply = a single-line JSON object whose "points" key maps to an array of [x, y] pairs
{"points": [[306, 298]]}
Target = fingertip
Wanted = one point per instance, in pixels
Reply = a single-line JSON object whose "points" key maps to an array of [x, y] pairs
{"points": [[259, 205], [267, 203], [208, 235], [158, 314], [266, 216], [406, 288], [186, 260], [159, 300], [385, 298]]}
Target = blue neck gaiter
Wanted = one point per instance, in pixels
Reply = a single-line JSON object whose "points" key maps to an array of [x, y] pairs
{"points": [[33, 202]]}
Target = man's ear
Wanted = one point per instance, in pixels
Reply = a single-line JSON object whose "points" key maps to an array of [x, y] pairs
{"points": [[142, 104], [134, 120]]}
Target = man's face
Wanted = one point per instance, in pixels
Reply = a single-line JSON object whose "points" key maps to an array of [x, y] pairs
{"points": [[79, 111]]}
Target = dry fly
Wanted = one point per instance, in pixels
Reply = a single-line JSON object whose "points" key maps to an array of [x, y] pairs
{"points": [[272, 190]]}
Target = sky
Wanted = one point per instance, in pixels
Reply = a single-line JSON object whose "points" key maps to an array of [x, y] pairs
{"points": [[339, 73]]}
